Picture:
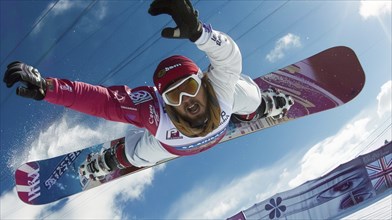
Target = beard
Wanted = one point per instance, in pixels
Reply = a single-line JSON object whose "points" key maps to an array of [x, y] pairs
{"points": [[192, 125], [197, 121]]}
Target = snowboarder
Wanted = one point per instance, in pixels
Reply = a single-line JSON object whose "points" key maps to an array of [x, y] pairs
{"points": [[186, 112]]}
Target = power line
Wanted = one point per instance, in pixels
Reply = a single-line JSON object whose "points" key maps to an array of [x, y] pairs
{"points": [[108, 39], [155, 61], [84, 12], [377, 130], [262, 20], [376, 138], [255, 25], [102, 26], [55, 43], [142, 48], [131, 57], [284, 29], [246, 17], [135, 54], [31, 30]]}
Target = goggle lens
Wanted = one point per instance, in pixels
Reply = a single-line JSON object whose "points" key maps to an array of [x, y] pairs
{"points": [[189, 87]]}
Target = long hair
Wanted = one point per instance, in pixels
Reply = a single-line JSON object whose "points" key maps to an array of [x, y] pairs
{"points": [[213, 114]]}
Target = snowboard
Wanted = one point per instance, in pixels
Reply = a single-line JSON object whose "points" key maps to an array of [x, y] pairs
{"points": [[323, 81]]}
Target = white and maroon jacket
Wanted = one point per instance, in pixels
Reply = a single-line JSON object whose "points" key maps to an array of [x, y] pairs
{"points": [[143, 106]]}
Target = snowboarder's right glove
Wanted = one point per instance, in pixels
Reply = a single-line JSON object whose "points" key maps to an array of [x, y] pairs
{"points": [[35, 85], [182, 12]]}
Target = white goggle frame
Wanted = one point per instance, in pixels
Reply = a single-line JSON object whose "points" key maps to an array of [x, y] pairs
{"points": [[197, 77]]}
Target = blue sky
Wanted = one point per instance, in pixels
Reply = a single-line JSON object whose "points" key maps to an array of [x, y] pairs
{"points": [[118, 42]]}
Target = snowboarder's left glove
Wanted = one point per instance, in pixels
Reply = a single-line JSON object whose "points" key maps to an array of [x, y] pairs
{"points": [[182, 12], [35, 85]]}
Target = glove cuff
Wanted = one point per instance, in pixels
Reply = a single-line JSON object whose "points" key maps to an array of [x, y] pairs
{"points": [[205, 34], [198, 32], [41, 90]]}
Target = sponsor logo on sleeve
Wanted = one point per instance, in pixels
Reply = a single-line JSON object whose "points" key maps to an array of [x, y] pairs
{"points": [[153, 118], [139, 97], [66, 87], [217, 39], [118, 96], [207, 28]]}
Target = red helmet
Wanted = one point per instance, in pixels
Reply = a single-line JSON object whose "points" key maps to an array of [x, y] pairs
{"points": [[171, 70]]}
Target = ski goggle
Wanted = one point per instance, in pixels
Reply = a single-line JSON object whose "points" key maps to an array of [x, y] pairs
{"points": [[189, 86]]}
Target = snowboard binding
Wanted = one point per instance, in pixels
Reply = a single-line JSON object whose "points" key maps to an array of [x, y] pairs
{"points": [[98, 165], [277, 104], [94, 167], [274, 104]]}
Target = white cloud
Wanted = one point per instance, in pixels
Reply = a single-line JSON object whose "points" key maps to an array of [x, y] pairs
{"points": [[371, 8], [98, 203], [333, 151], [228, 198], [102, 10], [384, 99], [285, 43], [89, 21], [60, 8], [104, 202], [222, 201], [64, 5], [65, 135], [355, 137]]}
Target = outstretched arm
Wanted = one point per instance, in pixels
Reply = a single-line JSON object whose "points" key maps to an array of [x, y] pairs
{"points": [[108, 103], [112, 103], [222, 51], [225, 58]]}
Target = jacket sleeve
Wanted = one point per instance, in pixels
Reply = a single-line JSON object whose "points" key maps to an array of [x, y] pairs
{"points": [[111, 103], [225, 58]]}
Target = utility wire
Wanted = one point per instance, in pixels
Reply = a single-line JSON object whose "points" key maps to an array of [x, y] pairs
{"points": [[376, 138], [131, 57], [20, 42], [255, 25], [114, 32], [81, 43], [246, 17], [28, 33], [284, 30], [156, 61], [84, 12], [54, 44], [262, 20]]}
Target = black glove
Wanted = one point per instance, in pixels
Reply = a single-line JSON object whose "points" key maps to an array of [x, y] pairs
{"points": [[35, 85], [182, 12]]}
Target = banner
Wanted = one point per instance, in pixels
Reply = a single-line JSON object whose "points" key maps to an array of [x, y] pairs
{"points": [[350, 183]]}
